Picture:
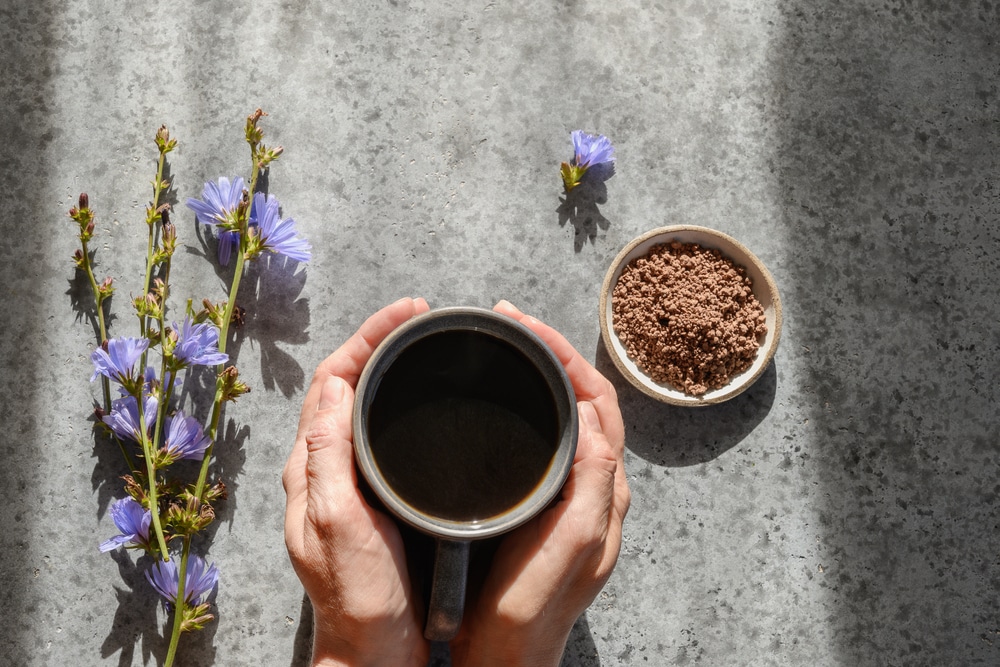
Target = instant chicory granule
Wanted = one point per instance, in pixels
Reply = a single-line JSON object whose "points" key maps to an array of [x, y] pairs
{"points": [[687, 316]]}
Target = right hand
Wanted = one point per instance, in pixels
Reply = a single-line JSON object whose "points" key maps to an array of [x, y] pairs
{"points": [[546, 573]]}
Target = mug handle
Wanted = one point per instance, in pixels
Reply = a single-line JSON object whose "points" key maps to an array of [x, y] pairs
{"points": [[447, 603]]}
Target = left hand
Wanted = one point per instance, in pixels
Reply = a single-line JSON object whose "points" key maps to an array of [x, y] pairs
{"points": [[349, 557]]}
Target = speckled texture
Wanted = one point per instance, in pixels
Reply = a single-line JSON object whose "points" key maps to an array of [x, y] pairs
{"points": [[841, 512]]}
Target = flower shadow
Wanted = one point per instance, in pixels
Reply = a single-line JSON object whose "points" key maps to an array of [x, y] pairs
{"points": [[81, 299], [136, 614], [580, 206], [274, 313], [271, 312], [106, 478]]}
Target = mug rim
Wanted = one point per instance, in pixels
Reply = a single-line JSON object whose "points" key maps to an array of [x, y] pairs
{"points": [[521, 338]]}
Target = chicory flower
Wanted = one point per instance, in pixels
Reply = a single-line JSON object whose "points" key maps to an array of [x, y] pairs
{"points": [[124, 417], [185, 438], [199, 580], [217, 207], [274, 234], [132, 520], [117, 362], [589, 150], [198, 345]]}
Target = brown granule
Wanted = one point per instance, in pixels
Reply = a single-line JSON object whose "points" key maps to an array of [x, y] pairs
{"points": [[687, 316]]}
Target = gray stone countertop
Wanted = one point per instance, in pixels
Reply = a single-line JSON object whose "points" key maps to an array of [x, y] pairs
{"points": [[841, 512]]}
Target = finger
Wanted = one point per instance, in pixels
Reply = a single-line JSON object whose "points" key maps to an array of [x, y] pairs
{"points": [[329, 461], [598, 445], [609, 496], [347, 362], [329, 443], [350, 358], [589, 490], [588, 383]]}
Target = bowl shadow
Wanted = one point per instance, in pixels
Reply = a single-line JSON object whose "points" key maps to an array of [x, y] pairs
{"points": [[676, 437]]}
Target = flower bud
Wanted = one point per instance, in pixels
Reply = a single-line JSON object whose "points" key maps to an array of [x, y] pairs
{"points": [[106, 287], [84, 201], [134, 489], [163, 140], [230, 384]]}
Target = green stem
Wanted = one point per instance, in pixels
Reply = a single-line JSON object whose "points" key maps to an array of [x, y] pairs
{"points": [[227, 318], [147, 449], [213, 428], [101, 324], [151, 218], [166, 389], [99, 300], [179, 603]]}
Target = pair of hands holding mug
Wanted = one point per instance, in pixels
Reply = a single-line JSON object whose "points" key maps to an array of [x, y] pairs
{"points": [[350, 557]]}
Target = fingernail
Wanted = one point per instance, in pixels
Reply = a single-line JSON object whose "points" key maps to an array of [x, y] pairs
{"points": [[504, 303], [332, 394], [589, 416]]}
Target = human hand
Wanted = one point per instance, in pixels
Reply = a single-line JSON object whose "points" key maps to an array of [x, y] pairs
{"points": [[546, 573], [349, 557]]}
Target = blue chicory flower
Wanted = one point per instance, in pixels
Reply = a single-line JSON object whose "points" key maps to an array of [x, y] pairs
{"points": [[589, 151], [198, 344], [200, 579], [216, 207], [185, 438], [275, 234], [124, 417], [118, 361], [132, 520]]}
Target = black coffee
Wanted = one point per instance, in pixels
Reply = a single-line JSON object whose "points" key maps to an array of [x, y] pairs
{"points": [[462, 426]]}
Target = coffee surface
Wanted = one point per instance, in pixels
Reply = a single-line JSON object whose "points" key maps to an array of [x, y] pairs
{"points": [[462, 459], [462, 426]]}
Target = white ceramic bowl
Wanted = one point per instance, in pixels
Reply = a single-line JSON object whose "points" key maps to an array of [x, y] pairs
{"points": [[764, 289]]}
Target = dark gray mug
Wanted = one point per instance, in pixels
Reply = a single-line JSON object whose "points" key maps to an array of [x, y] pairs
{"points": [[465, 427]]}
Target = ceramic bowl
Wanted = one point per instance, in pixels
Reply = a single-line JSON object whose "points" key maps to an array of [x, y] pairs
{"points": [[764, 289]]}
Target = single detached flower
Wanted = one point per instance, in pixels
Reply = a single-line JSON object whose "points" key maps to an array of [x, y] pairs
{"points": [[217, 207], [124, 417], [274, 234], [185, 438], [133, 521], [589, 150], [117, 362], [198, 345], [199, 580]]}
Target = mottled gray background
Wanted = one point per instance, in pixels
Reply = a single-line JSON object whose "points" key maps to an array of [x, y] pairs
{"points": [[842, 512]]}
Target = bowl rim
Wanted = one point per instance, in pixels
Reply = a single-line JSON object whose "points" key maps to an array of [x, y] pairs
{"points": [[732, 250]]}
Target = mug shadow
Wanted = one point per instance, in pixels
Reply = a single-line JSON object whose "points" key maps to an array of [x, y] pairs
{"points": [[675, 437]]}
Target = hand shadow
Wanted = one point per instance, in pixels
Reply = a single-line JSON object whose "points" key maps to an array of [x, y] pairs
{"points": [[579, 206]]}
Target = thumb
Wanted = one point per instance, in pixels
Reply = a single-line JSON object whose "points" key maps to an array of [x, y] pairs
{"points": [[592, 478], [330, 449]]}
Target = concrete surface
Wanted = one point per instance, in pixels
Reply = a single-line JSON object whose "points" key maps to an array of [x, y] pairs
{"points": [[842, 512]]}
